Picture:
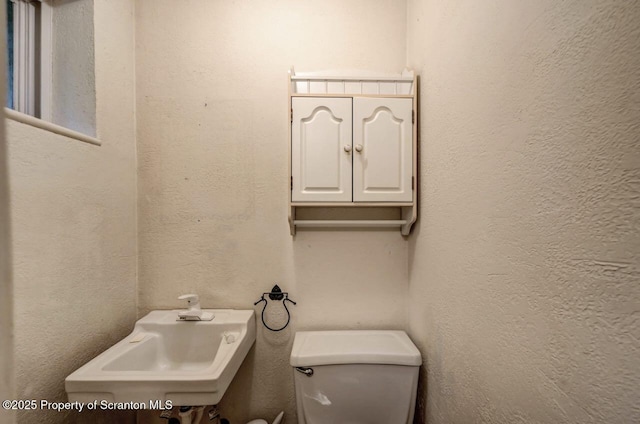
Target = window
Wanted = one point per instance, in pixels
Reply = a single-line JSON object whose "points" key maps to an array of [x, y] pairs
{"points": [[51, 66], [29, 57]]}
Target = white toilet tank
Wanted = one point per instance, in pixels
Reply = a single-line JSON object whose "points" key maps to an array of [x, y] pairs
{"points": [[355, 377]]}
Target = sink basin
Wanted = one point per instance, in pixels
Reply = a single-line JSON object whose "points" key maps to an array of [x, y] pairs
{"points": [[166, 359]]}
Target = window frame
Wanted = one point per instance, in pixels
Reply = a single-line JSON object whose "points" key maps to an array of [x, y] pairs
{"points": [[33, 69], [32, 57]]}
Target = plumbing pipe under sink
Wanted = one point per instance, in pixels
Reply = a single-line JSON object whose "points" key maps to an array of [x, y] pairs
{"points": [[278, 420], [186, 414]]}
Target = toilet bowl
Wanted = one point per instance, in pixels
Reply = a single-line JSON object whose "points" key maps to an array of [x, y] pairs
{"points": [[355, 377]]}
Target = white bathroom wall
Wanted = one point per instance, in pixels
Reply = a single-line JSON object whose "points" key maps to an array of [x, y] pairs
{"points": [[73, 210], [7, 377], [7, 380], [213, 183], [525, 263]]}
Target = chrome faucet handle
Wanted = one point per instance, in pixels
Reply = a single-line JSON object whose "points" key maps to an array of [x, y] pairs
{"points": [[193, 312]]}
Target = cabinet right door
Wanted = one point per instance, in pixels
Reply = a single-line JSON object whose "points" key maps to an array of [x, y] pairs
{"points": [[383, 150]]}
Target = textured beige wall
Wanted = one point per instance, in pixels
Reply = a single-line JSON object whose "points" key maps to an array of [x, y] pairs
{"points": [[73, 209], [525, 267], [7, 383], [212, 149]]}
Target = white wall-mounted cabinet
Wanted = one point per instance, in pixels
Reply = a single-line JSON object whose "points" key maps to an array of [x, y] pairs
{"points": [[353, 144], [351, 149]]}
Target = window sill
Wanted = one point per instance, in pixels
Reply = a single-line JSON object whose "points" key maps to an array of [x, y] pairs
{"points": [[48, 126]]}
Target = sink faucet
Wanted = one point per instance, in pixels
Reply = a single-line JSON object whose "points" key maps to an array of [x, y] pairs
{"points": [[193, 313]]}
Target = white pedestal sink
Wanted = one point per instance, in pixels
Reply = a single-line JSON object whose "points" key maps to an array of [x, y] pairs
{"points": [[166, 359]]}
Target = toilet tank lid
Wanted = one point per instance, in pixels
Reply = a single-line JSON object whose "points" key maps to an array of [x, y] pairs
{"points": [[353, 347]]}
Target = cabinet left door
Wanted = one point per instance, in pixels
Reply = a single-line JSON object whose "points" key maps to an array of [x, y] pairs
{"points": [[321, 150]]}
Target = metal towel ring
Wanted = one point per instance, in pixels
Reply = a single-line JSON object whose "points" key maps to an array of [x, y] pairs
{"points": [[275, 294]]}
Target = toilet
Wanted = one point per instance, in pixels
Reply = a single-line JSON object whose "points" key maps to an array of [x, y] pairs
{"points": [[355, 377]]}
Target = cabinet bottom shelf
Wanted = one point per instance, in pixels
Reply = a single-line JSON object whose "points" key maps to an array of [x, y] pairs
{"points": [[382, 216]]}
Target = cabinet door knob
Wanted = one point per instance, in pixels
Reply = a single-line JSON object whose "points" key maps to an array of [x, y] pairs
{"points": [[347, 148], [358, 148]]}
